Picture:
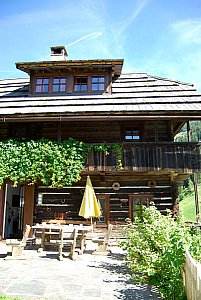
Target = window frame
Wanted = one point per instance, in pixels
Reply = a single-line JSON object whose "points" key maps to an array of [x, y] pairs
{"points": [[89, 78], [59, 84], [77, 84], [99, 83], [54, 84], [42, 85], [50, 84], [135, 134]]}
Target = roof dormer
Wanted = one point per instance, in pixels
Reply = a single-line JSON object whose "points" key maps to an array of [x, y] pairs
{"points": [[64, 76]]}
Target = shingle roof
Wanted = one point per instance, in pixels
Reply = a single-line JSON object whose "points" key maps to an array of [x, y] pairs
{"points": [[133, 93], [14, 87]]}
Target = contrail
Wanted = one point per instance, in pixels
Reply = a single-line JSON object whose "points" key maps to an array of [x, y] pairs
{"points": [[134, 15], [93, 35]]}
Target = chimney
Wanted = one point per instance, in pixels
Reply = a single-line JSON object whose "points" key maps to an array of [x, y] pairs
{"points": [[58, 53]]}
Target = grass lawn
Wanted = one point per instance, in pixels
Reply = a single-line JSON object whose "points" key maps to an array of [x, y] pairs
{"points": [[187, 206], [3, 297]]}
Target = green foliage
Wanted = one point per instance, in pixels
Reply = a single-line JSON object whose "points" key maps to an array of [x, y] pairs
{"points": [[187, 189], [195, 132], [187, 206], [107, 148], [55, 163], [52, 163], [156, 250], [117, 148]]}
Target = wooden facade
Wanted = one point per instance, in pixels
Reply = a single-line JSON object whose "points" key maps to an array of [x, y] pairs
{"points": [[140, 112]]}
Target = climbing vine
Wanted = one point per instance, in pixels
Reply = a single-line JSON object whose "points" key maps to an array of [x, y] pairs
{"points": [[107, 148], [53, 163]]}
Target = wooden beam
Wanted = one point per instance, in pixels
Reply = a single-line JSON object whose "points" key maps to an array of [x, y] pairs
{"points": [[188, 131], [175, 199], [195, 182], [28, 204], [2, 200], [81, 117], [197, 209]]}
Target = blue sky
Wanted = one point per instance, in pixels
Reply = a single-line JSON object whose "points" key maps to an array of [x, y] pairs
{"points": [[160, 37]]}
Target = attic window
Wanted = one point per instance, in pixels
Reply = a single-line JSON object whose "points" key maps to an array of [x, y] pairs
{"points": [[59, 84], [81, 84], [98, 83], [132, 134], [42, 85]]}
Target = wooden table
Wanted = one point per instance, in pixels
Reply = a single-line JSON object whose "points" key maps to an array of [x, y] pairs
{"points": [[58, 230], [47, 230]]}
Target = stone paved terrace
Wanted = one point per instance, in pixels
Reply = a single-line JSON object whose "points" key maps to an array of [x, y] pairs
{"points": [[89, 277]]}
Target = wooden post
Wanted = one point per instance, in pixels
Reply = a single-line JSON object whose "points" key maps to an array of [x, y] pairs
{"points": [[197, 209], [188, 132], [59, 131], [156, 131], [131, 208], [28, 204], [175, 199], [195, 182], [2, 199]]}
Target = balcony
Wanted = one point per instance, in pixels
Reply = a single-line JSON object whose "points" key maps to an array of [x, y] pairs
{"points": [[144, 157]]}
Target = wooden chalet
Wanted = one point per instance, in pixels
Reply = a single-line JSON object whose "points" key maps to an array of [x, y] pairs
{"points": [[94, 102]]}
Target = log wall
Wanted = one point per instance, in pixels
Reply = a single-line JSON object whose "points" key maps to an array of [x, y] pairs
{"points": [[64, 203], [90, 132]]}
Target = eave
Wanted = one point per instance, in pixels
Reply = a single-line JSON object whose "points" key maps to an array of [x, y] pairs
{"points": [[115, 65], [92, 117]]}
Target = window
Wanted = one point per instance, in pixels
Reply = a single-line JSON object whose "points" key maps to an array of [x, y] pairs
{"points": [[137, 204], [59, 84], [132, 134], [98, 83], [81, 84], [53, 85], [42, 85], [89, 84]]}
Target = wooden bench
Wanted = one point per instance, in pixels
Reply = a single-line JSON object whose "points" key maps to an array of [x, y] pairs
{"points": [[57, 235], [103, 242], [18, 245], [60, 237], [69, 236]]}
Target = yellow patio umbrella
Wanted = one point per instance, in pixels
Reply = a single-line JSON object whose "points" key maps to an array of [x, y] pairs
{"points": [[89, 207]]}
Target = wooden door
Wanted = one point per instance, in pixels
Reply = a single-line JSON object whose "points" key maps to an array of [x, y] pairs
{"points": [[103, 201]]}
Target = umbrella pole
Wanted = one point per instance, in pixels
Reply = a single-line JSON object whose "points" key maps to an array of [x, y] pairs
{"points": [[91, 225]]}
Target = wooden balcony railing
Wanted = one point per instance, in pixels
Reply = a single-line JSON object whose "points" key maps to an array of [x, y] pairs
{"points": [[183, 157]]}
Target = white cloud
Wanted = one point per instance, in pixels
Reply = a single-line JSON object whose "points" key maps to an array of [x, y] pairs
{"points": [[188, 31]]}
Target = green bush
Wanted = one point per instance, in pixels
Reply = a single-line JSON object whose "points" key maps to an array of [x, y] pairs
{"points": [[156, 246], [52, 163]]}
